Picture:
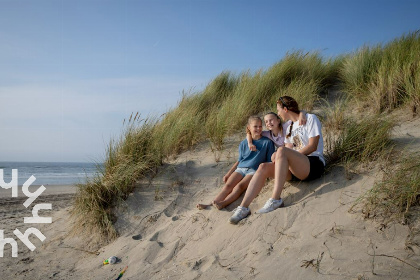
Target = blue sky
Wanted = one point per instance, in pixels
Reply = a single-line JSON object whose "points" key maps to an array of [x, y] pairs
{"points": [[71, 71]]}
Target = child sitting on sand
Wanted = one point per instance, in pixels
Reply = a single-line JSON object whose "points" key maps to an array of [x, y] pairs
{"points": [[238, 177]]}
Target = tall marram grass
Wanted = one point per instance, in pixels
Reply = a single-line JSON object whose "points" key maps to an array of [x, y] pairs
{"points": [[385, 77], [183, 126], [127, 159], [362, 141], [398, 191]]}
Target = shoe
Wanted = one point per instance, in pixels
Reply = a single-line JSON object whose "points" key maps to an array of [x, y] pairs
{"points": [[240, 213], [271, 205]]}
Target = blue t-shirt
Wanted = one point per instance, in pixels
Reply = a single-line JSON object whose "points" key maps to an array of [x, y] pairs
{"points": [[250, 159]]}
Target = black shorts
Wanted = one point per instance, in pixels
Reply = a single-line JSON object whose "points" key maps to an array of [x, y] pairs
{"points": [[316, 169]]}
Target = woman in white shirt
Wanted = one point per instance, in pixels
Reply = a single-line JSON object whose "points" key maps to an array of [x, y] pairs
{"points": [[301, 158]]}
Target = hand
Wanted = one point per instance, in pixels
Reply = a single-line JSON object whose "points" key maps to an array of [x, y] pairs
{"points": [[302, 118], [273, 157], [225, 178], [252, 147]]}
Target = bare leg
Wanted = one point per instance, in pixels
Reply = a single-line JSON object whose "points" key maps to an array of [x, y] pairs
{"points": [[287, 161], [235, 194], [232, 181], [265, 170]]}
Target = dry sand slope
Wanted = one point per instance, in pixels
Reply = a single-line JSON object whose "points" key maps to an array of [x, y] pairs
{"points": [[163, 235]]}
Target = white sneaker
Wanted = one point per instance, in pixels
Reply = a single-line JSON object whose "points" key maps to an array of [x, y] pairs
{"points": [[240, 213], [271, 205]]}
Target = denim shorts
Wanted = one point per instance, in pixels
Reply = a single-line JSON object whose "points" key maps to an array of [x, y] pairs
{"points": [[244, 171]]}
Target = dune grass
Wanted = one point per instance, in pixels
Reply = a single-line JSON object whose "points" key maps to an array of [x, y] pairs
{"points": [[127, 159], [399, 190], [363, 141], [385, 77]]}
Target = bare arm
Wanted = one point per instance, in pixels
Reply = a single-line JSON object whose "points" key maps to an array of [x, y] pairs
{"points": [[311, 147], [249, 139]]}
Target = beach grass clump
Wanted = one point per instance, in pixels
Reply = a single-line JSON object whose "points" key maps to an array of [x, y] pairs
{"points": [[384, 77], [217, 128], [399, 190], [127, 160], [358, 69], [184, 126], [363, 141], [334, 114], [91, 211], [179, 130], [411, 83], [298, 68]]}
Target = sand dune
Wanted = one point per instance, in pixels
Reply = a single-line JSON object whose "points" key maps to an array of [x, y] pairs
{"points": [[317, 235]]}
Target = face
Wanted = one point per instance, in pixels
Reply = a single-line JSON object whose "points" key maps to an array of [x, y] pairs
{"points": [[255, 127], [281, 112], [271, 122]]}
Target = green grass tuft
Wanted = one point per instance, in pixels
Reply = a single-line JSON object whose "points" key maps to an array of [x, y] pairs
{"points": [[362, 141], [398, 191], [386, 77]]}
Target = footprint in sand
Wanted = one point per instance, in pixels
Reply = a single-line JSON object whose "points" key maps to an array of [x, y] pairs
{"points": [[155, 238], [175, 218], [136, 237]]}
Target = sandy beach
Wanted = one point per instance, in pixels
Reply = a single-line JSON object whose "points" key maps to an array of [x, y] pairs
{"points": [[320, 233], [12, 213]]}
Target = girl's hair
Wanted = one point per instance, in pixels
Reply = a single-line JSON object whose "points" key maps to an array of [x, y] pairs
{"points": [[254, 118], [250, 119], [291, 105], [277, 116]]}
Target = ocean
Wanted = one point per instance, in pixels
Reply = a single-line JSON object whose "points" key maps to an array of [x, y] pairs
{"points": [[49, 173]]}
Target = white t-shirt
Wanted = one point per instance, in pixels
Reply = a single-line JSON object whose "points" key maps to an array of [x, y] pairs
{"points": [[279, 139], [301, 134]]}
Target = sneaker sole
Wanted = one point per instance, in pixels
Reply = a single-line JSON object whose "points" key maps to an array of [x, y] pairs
{"points": [[281, 206], [235, 223]]}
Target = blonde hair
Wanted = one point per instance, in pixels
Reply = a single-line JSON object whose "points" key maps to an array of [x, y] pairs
{"points": [[250, 119], [254, 118]]}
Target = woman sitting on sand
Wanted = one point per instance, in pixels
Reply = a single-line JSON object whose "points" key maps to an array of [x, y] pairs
{"points": [[302, 158], [238, 177]]}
